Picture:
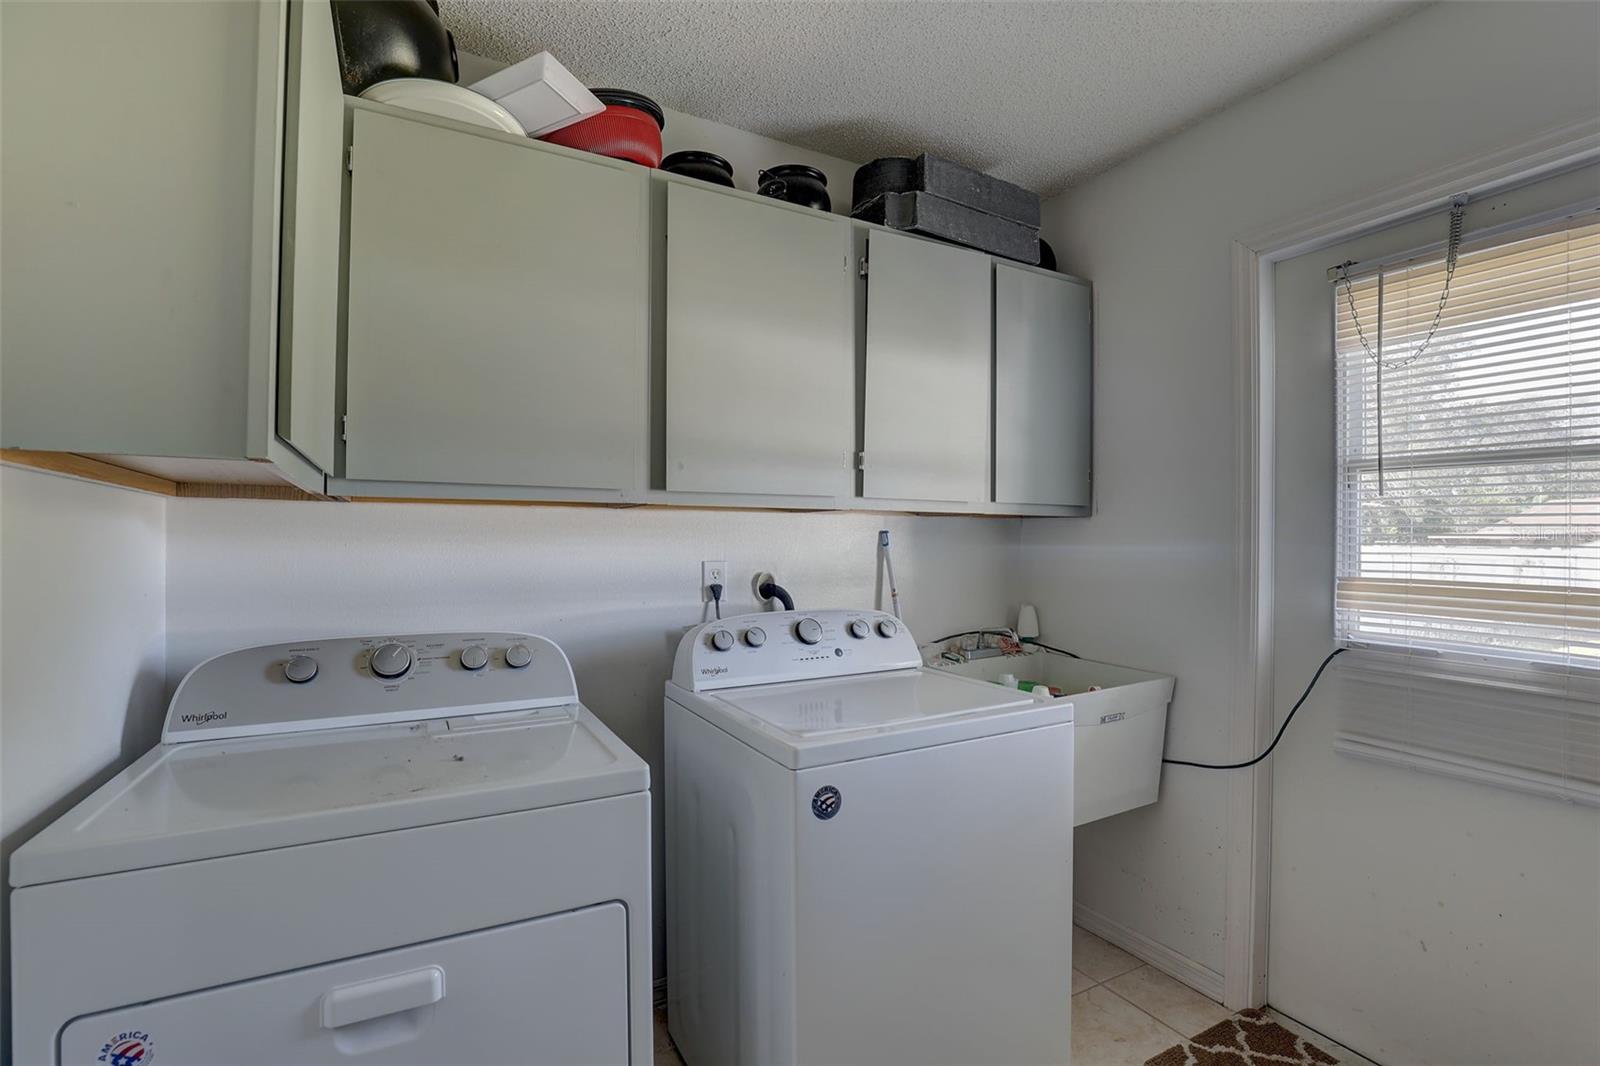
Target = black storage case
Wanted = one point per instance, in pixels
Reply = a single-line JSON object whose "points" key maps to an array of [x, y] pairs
{"points": [[934, 216], [942, 178]]}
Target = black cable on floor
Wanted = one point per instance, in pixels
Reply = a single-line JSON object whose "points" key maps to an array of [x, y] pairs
{"points": [[1242, 765]]}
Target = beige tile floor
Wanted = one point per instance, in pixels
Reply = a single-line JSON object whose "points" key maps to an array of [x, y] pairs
{"points": [[1123, 1011]]}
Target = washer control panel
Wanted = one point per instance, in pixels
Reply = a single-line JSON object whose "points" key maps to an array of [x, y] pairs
{"points": [[353, 681], [759, 649]]}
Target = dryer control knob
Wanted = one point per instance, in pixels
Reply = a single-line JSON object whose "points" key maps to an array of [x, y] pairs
{"points": [[722, 640], [808, 630], [474, 657], [300, 669], [390, 660], [755, 636], [859, 629], [887, 628], [518, 656]]}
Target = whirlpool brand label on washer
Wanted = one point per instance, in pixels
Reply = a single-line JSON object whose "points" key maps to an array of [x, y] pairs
{"points": [[131, 1048], [203, 719], [825, 804]]}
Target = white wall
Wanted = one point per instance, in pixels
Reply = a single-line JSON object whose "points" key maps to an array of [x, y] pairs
{"points": [[614, 587], [1421, 919], [1151, 579], [82, 571]]}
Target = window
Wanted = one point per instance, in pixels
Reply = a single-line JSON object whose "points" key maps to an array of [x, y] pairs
{"points": [[1469, 475]]}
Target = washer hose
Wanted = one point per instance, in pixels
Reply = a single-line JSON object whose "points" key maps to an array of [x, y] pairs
{"points": [[771, 590]]}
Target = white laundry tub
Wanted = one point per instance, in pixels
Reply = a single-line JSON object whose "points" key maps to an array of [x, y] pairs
{"points": [[1119, 729]]}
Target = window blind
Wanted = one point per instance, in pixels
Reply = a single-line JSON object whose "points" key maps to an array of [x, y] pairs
{"points": [[1469, 495]]}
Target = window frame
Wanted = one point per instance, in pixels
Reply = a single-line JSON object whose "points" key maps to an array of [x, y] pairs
{"points": [[1461, 664]]}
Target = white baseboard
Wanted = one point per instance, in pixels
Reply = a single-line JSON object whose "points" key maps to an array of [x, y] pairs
{"points": [[1202, 979], [659, 997]]}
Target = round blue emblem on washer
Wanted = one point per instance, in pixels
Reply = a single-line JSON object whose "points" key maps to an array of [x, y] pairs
{"points": [[129, 1048], [825, 804]]}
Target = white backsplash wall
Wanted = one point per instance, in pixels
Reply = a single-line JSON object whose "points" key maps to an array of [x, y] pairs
{"points": [[82, 611], [614, 587]]}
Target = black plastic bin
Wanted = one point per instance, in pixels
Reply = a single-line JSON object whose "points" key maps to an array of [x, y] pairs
{"points": [[950, 181], [934, 216]]}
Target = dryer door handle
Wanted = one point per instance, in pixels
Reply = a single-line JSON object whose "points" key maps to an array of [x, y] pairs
{"points": [[374, 998]]}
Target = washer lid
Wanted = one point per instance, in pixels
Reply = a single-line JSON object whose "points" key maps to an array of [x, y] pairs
{"points": [[814, 723], [203, 799]]}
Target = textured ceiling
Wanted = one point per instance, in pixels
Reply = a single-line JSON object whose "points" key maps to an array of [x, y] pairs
{"points": [[1042, 94]]}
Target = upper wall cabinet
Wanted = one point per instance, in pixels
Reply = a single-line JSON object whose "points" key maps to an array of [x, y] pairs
{"points": [[1043, 389], [497, 311], [760, 347], [141, 222], [926, 419]]}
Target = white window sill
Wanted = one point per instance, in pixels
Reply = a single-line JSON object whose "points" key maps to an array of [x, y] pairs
{"points": [[1517, 779], [1525, 727]]}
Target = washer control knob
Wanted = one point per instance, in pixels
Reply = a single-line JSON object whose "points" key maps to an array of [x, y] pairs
{"points": [[722, 640], [518, 656], [390, 660], [859, 629], [755, 636], [474, 657], [808, 631], [887, 628], [300, 669]]}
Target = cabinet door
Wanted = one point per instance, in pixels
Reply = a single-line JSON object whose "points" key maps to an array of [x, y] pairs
{"points": [[1043, 390], [134, 256], [926, 429], [496, 312], [760, 374], [313, 197]]}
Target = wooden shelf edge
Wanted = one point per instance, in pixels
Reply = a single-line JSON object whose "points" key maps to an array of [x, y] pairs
{"points": [[87, 468], [70, 464]]}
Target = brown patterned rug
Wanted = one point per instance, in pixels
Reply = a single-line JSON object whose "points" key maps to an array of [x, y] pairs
{"points": [[1249, 1038]]}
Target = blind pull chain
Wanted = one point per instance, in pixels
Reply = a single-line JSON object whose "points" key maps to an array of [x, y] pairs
{"points": [[1458, 207]]}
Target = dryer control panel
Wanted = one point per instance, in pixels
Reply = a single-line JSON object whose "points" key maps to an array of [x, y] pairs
{"points": [[354, 681], [771, 646]]}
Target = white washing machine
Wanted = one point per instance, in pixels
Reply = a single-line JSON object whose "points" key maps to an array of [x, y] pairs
{"points": [[868, 863], [410, 849]]}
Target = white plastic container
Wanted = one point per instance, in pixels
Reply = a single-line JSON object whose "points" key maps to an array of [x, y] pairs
{"points": [[1119, 729], [541, 93]]}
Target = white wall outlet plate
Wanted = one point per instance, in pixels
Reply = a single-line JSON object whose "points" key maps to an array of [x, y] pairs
{"points": [[713, 572]]}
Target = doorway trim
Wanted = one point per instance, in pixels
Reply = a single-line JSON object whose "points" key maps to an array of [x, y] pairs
{"points": [[1247, 889]]}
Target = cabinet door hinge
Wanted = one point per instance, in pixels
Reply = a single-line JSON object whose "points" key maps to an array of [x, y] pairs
{"points": [[863, 270], [350, 158], [344, 427], [860, 460]]}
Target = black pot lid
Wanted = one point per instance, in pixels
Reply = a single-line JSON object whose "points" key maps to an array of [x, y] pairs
{"points": [[794, 170], [637, 101], [696, 157]]}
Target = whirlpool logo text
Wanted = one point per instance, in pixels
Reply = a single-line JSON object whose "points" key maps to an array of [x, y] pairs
{"points": [[202, 719]]}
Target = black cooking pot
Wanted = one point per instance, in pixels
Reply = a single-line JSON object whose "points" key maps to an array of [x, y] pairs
{"points": [[702, 165], [378, 40], [796, 183]]}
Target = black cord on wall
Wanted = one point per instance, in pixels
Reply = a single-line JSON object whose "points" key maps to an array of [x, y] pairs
{"points": [[1242, 765]]}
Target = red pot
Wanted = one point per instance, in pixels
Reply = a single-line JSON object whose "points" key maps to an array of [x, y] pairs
{"points": [[629, 128]]}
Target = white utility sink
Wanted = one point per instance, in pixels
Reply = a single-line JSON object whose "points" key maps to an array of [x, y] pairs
{"points": [[1120, 724]]}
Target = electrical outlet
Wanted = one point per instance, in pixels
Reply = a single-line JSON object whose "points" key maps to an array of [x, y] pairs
{"points": [[713, 572]]}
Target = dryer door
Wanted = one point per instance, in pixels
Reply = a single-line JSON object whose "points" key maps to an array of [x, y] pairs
{"points": [[549, 991]]}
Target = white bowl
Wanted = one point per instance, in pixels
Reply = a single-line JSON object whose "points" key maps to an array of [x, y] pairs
{"points": [[441, 98]]}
